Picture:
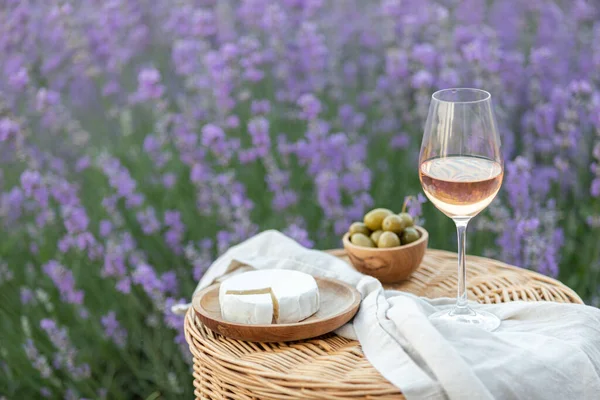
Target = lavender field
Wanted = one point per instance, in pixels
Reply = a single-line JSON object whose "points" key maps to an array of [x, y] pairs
{"points": [[139, 139]]}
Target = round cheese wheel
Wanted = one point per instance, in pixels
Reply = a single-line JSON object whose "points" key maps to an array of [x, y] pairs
{"points": [[269, 296]]}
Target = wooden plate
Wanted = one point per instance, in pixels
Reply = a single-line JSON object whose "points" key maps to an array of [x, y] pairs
{"points": [[339, 303]]}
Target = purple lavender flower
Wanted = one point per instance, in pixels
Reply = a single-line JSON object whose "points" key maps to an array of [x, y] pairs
{"points": [[70, 394], [414, 205], [151, 145], [38, 361], [169, 180], [64, 281], [149, 85], [66, 354], [260, 107], [203, 23], [214, 138], [83, 163], [224, 241], [145, 276], [258, 128], [595, 188], [422, 80], [134, 200], [426, 54], [169, 282], [174, 236], [113, 329], [46, 99], [114, 262], [27, 296], [31, 181], [232, 121], [310, 105], [396, 64], [528, 234], [148, 221], [83, 313], [211, 135], [518, 175], [120, 179], [75, 219], [175, 321], [201, 259], [124, 285], [185, 55], [274, 18], [11, 204], [400, 141], [64, 193], [299, 234], [199, 173], [9, 129], [105, 228], [45, 392], [19, 80]]}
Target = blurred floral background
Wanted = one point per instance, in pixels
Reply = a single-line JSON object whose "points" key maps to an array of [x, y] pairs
{"points": [[139, 139]]}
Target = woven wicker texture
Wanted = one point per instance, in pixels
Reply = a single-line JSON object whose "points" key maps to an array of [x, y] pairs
{"points": [[331, 367]]}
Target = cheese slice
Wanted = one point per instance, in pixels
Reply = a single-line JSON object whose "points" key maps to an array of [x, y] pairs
{"points": [[292, 296], [255, 309]]}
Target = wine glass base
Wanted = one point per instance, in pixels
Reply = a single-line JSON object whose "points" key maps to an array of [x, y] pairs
{"points": [[466, 315]]}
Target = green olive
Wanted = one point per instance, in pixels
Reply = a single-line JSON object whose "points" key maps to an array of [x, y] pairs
{"points": [[359, 227], [362, 240], [374, 218], [393, 223], [410, 235], [388, 239], [408, 220], [375, 236]]}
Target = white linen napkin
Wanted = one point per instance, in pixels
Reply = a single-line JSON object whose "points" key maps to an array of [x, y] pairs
{"points": [[542, 350]]}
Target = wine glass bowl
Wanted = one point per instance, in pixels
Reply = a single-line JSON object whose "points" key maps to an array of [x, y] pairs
{"points": [[461, 186], [461, 171]]}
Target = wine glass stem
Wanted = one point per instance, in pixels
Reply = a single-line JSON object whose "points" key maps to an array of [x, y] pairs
{"points": [[461, 230]]}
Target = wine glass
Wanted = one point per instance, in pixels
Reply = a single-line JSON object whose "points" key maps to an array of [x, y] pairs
{"points": [[460, 168]]}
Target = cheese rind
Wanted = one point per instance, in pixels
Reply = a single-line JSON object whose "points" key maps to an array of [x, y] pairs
{"points": [[294, 296], [254, 309]]}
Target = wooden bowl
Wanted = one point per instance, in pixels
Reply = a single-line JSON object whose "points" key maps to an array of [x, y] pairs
{"points": [[390, 264]]}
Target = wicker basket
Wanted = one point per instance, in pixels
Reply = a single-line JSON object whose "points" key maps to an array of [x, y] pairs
{"points": [[331, 367]]}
